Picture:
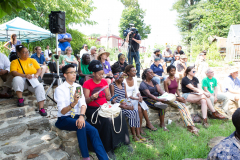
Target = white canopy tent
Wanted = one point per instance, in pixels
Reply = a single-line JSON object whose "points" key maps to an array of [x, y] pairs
{"points": [[25, 31], [233, 43]]}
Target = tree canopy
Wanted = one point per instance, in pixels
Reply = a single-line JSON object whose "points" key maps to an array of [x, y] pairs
{"points": [[133, 14], [199, 19], [76, 12], [7, 7]]}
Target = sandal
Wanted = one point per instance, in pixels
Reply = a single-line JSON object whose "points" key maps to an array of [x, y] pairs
{"points": [[6, 95], [152, 129], [164, 128], [193, 130], [143, 139]]}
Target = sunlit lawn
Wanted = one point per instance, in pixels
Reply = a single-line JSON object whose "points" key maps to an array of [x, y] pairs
{"points": [[177, 144]]}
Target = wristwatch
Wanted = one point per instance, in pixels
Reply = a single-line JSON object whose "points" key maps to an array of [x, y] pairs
{"points": [[84, 116]]}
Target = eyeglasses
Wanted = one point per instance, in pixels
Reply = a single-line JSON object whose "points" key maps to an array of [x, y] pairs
{"points": [[73, 72], [134, 71], [95, 50], [86, 46], [69, 49]]}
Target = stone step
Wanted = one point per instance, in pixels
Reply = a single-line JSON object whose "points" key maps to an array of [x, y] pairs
{"points": [[35, 145], [17, 128], [9, 111]]}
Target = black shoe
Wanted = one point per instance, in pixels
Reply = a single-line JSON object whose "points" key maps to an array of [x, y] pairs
{"points": [[20, 102], [111, 155], [42, 112]]}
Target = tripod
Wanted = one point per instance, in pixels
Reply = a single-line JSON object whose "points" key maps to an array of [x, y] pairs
{"points": [[56, 78]]}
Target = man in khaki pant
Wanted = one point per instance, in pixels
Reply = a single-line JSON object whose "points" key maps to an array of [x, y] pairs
{"points": [[209, 84], [5, 76]]}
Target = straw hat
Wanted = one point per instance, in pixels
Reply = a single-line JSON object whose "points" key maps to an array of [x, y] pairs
{"points": [[233, 70], [100, 53]]}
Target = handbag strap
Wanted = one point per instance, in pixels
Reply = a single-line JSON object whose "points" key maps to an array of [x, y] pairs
{"points": [[114, 125], [21, 66], [96, 116]]}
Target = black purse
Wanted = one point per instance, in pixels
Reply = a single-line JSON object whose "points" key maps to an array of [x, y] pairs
{"points": [[39, 78]]}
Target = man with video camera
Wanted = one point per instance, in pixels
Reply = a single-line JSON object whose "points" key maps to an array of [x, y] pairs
{"points": [[134, 40]]}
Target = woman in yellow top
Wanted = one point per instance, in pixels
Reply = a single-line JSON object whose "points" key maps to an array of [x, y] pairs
{"points": [[31, 70]]}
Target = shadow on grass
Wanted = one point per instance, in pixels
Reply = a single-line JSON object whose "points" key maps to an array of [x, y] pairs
{"points": [[177, 144]]}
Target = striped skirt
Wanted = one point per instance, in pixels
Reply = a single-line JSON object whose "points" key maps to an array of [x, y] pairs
{"points": [[133, 117]]}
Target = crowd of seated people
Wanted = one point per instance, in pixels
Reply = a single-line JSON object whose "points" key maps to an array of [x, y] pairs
{"points": [[95, 73]]}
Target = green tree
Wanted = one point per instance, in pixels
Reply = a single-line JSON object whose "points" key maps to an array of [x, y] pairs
{"points": [[133, 14], [76, 12], [7, 7], [185, 20]]}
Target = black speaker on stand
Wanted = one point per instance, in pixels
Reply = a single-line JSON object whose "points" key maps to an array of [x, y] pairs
{"points": [[57, 26]]}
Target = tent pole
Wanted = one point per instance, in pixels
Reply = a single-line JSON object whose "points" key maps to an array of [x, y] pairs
{"points": [[7, 35], [19, 34]]}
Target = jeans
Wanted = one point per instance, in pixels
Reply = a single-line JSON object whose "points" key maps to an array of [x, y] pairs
{"points": [[68, 123], [158, 80], [169, 59], [136, 57]]}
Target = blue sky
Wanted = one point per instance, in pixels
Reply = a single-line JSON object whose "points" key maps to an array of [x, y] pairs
{"points": [[158, 15]]}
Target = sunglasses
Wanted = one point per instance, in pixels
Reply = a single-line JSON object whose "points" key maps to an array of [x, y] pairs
{"points": [[193, 71], [98, 66], [69, 49]]}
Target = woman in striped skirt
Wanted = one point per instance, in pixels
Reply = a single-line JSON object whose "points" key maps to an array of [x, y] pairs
{"points": [[118, 87], [171, 86]]}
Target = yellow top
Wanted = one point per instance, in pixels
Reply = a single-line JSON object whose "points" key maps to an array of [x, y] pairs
{"points": [[30, 66]]}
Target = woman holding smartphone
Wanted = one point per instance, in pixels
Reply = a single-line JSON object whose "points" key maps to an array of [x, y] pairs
{"points": [[192, 92], [96, 95]]}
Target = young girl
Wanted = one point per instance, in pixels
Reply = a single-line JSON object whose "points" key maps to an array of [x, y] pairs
{"points": [[171, 86], [118, 87]]}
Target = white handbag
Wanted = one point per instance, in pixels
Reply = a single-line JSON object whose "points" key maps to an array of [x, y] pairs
{"points": [[112, 112]]}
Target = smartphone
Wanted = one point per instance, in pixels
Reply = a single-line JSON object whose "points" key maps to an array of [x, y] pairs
{"points": [[78, 90]]}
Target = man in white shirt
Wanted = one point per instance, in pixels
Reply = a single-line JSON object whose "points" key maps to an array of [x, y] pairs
{"points": [[5, 76], [46, 53], [71, 114]]}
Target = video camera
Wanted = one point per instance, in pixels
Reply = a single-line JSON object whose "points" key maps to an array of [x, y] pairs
{"points": [[125, 32]]}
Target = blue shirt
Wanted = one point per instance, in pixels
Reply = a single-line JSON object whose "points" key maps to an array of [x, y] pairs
{"points": [[227, 149], [64, 45], [230, 84], [40, 59], [157, 69]]}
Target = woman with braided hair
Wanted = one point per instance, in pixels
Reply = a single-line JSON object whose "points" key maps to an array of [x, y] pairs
{"points": [[135, 96], [150, 91]]}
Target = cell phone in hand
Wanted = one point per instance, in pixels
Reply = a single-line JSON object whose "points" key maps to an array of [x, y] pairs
{"points": [[78, 90]]}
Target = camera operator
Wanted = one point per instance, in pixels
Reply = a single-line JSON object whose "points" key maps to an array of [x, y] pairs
{"points": [[134, 53]]}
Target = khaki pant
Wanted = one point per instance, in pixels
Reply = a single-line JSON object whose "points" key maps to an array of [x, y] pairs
{"points": [[7, 79], [232, 97], [221, 98]]}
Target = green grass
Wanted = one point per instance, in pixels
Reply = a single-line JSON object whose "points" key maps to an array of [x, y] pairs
{"points": [[177, 144]]}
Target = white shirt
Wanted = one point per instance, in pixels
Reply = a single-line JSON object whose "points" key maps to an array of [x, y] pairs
{"points": [[82, 52], [62, 97], [4, 62], [132, 91], [46, 53]]}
